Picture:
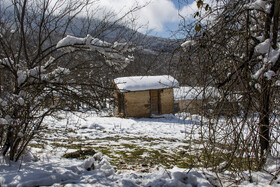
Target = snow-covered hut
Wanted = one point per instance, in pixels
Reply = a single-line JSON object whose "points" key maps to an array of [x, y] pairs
{"points": [[144, 96], [194, 100], [191, 99]]}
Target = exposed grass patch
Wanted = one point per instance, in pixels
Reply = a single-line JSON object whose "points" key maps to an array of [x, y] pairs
{"points": [[137, 152], [129, 146], [210, 158], [128, 155], [40, 146], [71, 146], [80, 154], [150, 158], [106, 151]]}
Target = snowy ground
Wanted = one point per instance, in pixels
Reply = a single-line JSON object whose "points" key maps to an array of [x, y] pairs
{"points": [[89, 150]]}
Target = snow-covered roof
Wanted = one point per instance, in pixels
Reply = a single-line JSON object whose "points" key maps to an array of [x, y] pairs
{"points": [[198, 93], [141, 83], [190, 93]]}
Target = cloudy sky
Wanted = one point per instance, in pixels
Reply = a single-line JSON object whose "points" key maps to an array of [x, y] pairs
{"points": [[158, 16]]}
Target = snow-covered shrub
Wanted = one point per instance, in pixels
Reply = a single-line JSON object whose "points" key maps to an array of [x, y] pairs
{"points": [[236, 50]]}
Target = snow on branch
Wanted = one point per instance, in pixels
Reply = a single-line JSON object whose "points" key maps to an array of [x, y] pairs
{"points": [[25, 75], [263, 47], [270, 58], [70, 40], [187, 44], [113, 53], [3, 121], [41, 72], [7, 62], [259, 5], [271, 55]]}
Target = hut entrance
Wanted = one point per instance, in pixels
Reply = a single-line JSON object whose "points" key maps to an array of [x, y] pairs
{"points": [[120, 103], [155, 101]]}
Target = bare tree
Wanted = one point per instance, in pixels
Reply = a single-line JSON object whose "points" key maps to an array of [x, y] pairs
{"points": [[44, 70], [234, 47]]}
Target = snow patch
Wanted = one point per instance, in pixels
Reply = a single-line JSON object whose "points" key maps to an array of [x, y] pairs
{"points": [[94, 171]]}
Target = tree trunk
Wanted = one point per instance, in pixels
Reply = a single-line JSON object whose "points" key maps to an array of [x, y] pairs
{"points": [[264, 126], [8, 141], [270, 30]]}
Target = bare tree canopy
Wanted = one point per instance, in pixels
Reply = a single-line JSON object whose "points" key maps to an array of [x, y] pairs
{"points": [[44, 68], [234, 46]]}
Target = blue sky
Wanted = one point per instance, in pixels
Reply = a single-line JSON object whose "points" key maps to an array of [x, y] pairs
{"points": [[179, 3]]}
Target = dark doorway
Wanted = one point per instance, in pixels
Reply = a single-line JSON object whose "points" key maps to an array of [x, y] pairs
{"points": [[155, 101], [120, 103]]}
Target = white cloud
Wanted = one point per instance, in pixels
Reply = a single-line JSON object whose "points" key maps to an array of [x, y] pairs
{"points": [[154, 14], [157, 13], [188, 11]]}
